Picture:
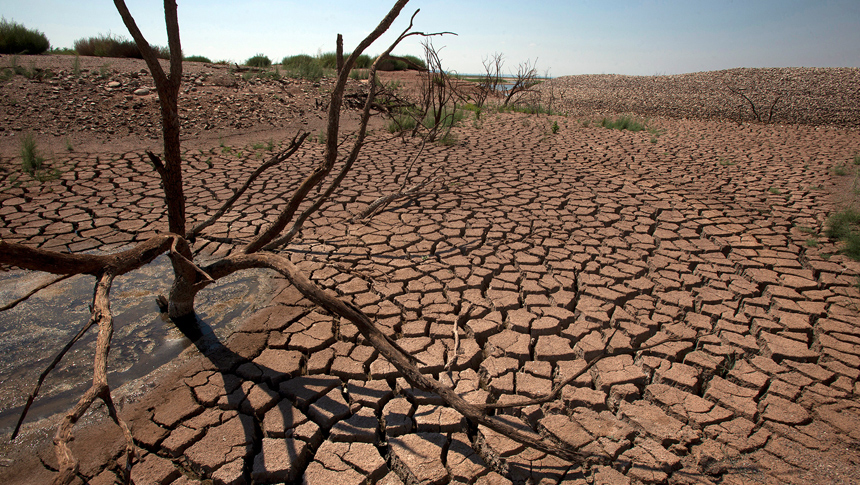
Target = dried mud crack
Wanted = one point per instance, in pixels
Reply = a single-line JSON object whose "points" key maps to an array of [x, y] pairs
{"points": [[531, 254]]}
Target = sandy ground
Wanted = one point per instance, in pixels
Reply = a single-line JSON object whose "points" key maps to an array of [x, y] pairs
{"points": [[537, 250]]}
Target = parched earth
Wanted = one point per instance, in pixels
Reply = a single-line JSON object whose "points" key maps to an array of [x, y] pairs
{"points": [[531, 254]]}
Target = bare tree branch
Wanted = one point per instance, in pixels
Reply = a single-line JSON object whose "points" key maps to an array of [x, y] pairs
{"points": [[333, 126], [101, 315], [167, 87], [401, 360], [274, 160], [524, 81]]}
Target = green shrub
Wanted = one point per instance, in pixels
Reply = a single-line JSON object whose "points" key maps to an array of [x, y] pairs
{"points": [[30, 158], [17, 39], [114, 46], [297, 61], [622, 123], [364, 61], [328, 60], [401, 121], [259, 60], [447, 119], [417, 60], [197, 59], [359, 74], [62, 51], [302, 66], [845, 226]]}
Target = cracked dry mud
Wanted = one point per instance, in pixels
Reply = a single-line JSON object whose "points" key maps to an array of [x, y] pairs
{"points": [[532, 253]]}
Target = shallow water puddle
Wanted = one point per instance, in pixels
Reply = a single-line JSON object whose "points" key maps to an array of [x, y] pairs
{"points": [[33, 332]]}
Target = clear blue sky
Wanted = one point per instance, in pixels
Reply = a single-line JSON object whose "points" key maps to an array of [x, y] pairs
{"points": [[640, 37]]}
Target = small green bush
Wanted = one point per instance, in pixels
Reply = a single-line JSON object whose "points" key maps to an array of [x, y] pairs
{"points": [[197, 59], [328, 60], [302, 66], [401, 121], [297, 61], [17, 39], [448, 118], [30, 158], [359, 74], [114, 46], [259, 60], [622, 123], [845, 226], [62, 51], [417, 60]]}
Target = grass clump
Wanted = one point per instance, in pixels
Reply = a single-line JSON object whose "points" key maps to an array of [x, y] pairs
{"points": [[303, 66], [114, 46], [401, 121], [197, 59], [30, 158], [622, 123], [845, 226], [259, 60], [17, 39]]}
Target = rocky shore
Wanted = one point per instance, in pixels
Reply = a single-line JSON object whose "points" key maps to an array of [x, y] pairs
{"points": [[809, 96]]}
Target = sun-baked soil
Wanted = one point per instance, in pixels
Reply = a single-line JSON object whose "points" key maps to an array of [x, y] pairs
{"points": [[532, 252]]}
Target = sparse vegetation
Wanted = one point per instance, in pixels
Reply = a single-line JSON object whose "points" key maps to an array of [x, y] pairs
{"points": [[31, 160], [554, 127], [302, 66], [114, 46], [845, 226], [840, 170], [259, 60], [196, 59], [17, 39], [623, 123]]}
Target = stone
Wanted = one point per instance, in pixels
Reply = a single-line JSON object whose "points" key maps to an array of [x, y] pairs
{"points": [[736, 398], [306, 389], [141, 91], [464, 464]]}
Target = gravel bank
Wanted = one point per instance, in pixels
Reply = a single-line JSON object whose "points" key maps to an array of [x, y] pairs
{"points": [[812, 96]]}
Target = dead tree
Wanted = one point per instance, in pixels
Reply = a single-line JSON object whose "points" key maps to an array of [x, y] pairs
{"points": [[491, 80], [742, 93], [525, 80]]}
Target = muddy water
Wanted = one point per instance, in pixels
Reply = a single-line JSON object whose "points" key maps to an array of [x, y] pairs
{"points": [[32, 333]]}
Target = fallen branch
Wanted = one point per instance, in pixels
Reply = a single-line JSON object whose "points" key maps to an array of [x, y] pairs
{"points": [[380, 203], [102, 316], [400, 359], [275, 160]]}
